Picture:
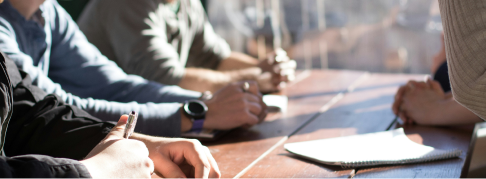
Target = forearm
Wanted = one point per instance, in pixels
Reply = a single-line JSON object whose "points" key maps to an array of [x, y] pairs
{"points": [[237, 61], [465, 43], [199, 79], [452, 113]]}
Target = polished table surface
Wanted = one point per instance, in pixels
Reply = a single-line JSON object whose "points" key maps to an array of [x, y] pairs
{"points": [[325, 104]]}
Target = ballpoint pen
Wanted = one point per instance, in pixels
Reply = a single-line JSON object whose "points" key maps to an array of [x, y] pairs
{"points": [[130, 126], [393, 122]]}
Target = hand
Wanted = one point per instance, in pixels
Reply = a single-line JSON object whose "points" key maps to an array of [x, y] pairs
{"points": [[421, 102], [276, 71], [396, 107], [180, 158], [116, 157], [231, 107]]}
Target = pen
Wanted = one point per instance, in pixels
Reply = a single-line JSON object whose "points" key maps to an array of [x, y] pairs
{"points": [[132, 121], [393, 122]]}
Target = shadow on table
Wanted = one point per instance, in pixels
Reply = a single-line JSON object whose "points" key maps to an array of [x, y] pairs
{"points": [[370, 115], [362, 115], [324, 166], [271, 129]]}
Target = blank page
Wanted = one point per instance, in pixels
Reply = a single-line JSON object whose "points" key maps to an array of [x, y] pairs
{"points": [[389, 147]]}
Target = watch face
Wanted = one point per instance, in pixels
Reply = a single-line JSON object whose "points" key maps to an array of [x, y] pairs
{"points": [[195, 108]]}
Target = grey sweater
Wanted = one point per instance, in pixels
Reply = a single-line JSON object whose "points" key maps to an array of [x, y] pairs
{"points": [[149, 39], [465, 39]]}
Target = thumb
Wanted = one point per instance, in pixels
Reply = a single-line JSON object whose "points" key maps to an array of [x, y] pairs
{"points": [[436, 86], [118, 131]]}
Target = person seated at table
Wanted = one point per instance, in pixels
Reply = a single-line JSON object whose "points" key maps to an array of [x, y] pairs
{"points": [[48, 138], [431, 102], [172, 42], [45, 42], [465, 46]]}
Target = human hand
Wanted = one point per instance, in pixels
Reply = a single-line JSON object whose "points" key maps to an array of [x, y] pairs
{"points": [[232, 107], [421, 102], [396, 107], [116, 157], [276, 71], [180, 158]]}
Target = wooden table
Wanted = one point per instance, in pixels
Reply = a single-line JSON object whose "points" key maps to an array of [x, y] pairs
{"points": [[238, 149], [326, 104]]}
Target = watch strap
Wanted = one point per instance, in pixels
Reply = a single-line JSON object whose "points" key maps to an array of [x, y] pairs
{"points": [[197, 125]]}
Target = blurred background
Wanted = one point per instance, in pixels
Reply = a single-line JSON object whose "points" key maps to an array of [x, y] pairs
{"points": [[393, 36]]}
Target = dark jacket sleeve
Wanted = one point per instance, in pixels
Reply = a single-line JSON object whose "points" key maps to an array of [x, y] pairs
{"points": [[44, 124], [13, 84], [40, 166]]}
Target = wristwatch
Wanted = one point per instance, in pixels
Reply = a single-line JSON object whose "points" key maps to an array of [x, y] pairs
{"points": [[196, 111]]}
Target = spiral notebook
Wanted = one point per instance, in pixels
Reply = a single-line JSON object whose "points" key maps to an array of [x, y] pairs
{"points": [[374, 149]]}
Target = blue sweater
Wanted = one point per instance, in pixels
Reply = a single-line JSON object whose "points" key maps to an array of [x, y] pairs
{"points": [[59, 59]]}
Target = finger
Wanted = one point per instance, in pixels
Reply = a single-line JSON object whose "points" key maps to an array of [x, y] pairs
{"points": [[264, 112], [271, 58], [254, 88], [151, 166], [407, 118], [119, 129], [287, 77], [276, 68], [410, 86], [421, 85], [403, 117], [402, 112], [167, 168], [198, 159], [288, 65], [436, 87], [414, 85], [276, 80], [214, 173], [252, 98], [398, 99], [251, 119], [427, 82], [254, 107]]}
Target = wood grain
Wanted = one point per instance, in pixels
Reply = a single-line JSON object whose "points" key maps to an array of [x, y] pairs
{"points": [[365, 110], [240, 147]]}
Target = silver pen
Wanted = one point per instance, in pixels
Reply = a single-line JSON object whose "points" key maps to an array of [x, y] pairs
{"points": [[130, 126]]}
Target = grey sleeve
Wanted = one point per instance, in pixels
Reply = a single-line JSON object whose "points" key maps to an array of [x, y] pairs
{"points": [[160, 119], [41, 166], [208, 48], [465, 28], [137, 35]]}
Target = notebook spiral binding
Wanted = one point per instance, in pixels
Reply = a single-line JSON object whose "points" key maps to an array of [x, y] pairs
{"points": [[427, 158]]}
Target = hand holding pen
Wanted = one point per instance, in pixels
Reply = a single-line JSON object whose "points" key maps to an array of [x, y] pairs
{"points": [[417, 102], [104, 160], [131, 123]]}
